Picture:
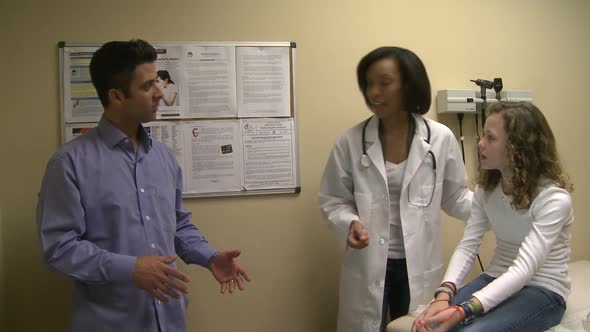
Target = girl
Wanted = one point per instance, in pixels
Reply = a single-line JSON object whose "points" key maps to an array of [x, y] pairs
{"points": [[524, 198]]}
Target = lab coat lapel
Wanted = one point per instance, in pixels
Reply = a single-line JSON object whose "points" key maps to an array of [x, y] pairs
{"points": [[373, 145], [418, 150]]}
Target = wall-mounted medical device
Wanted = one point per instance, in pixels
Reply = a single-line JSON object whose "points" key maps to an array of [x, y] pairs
{"points": [[465, 101], [456, 101], [511, 95]]}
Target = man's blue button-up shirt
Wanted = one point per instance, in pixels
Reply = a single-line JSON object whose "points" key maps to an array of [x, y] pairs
{"points": [[102, 205]]}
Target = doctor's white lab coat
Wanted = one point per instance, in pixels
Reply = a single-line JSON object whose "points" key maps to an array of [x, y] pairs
{"points": [[350, 191]]}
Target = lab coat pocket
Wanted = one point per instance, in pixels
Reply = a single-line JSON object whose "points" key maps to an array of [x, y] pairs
{"points": [[363, 207], [422, 186]]}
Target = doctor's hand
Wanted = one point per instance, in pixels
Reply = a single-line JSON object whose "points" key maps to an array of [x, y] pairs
{"points": [[228, 271], [434, 308], [154, 275], [442, 321], [358, 237]]}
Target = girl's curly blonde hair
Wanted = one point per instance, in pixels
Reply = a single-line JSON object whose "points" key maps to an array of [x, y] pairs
{"points": [[531, 150]]}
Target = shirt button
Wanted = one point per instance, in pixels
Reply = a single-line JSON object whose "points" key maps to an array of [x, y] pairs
{"points": [[381, 241], [142, 190], [377, 283], [147, 218], [153, 245]]}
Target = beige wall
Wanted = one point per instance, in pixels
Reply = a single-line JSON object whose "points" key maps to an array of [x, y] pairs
{"points": [[537, 45], [2, 285]]}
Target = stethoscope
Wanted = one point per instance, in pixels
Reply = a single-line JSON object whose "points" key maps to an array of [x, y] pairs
{"points": [[366, 162]]}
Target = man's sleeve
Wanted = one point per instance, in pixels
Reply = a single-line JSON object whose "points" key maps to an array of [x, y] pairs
{"points": [[191, 246], [61, 226]]}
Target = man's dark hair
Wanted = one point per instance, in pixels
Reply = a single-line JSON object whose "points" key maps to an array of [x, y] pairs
{"points": [[113, 65]]}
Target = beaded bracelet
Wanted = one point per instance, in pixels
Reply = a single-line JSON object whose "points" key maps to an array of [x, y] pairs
{"points": [[450, 285], [433, 301], [466, 309], [446, 290], [475, 307]]}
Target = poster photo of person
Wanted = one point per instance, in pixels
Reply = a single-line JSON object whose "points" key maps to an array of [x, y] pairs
{"points": [[166, 81]]}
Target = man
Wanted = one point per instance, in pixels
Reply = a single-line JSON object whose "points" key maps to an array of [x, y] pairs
{"points": [[110, 211]]}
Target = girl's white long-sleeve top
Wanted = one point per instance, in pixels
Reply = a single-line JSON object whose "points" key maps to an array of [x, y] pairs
{"points": [[532, 245]]}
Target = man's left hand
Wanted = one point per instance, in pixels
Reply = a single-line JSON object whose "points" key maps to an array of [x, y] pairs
{"points": [[228, 271]]}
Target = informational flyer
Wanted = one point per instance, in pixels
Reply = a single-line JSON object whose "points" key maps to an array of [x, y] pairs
{"points": [[211, 79], [170, 79], [214, 159], [264, 82], [269, 153], [80, 100], [169, 133]]}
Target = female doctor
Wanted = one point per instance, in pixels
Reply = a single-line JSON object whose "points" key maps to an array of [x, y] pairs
{"points": [[382, 190]]}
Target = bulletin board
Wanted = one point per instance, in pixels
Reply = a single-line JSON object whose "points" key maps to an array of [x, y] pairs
{"points": [[228, 113]]}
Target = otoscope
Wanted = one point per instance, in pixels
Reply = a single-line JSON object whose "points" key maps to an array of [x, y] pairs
{"points": [[498, 87], [484, 85]]}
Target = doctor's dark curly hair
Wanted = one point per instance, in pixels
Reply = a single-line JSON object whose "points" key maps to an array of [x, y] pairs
{"points": [[532, 152]]}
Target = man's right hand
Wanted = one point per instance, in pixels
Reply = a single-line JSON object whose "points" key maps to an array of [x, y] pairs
{"points": [[358, 237], [155, 276]]}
